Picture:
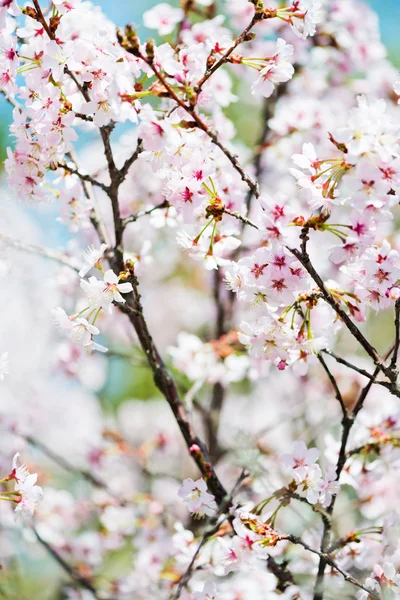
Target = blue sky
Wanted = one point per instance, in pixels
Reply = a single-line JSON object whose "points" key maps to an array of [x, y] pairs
{"points": [[122, 11]]}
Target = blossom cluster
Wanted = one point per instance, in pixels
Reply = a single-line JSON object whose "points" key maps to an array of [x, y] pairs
{"points": [[26, 494], [229, 197]]}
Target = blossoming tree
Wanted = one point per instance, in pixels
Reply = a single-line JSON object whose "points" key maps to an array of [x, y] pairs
{"points": [[246, 278]]}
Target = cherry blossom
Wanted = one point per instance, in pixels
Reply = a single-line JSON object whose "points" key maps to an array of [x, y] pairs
{"points": [[197, 499], [278, 70], [91, 258], [163, 17], [102, 294], [383, 580], [209, 592], [27, 493], [301, 460]]}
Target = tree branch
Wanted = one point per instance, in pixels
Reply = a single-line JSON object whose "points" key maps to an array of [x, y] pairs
{"points": [[242, 38], [69, 569], [59, 257], [324, 556], [210, 529], [83, 176], [397, 339], [347, 422], [305, 260], [253, 185], [334, 384], [165, 383], [133, 218], [129, 161]]}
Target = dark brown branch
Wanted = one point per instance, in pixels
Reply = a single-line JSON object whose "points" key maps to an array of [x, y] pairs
{"points": [[129, 161], [346, 363], [281, 572], [83, 176], [363, 372], [397, 338], [84, 117], [112, 190], [212, 416]]}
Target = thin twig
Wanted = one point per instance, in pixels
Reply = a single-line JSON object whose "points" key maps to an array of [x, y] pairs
{"points": [[371, 447], [239, 40], [95, 217], [347, 423], [134, 217], [59, 257], [166, 384], [314, 507], [304, 258], [129, 161], [212, 416], [329, 560], [64, 463], [363, 372], [346, 363], [83, 176], [240, 217], [333, 381], [69, 569]]}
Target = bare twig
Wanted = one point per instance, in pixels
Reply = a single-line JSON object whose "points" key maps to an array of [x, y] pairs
{"points": [[212, 415], [166, 384], [82, 176], [133, 218], [363, 372], [65, 464], [334, 383], [240, 217], [373, 446], [69, 569], [329, 560], [304, 258], [347, 423], [129, 161], [95, 217], [59, 257], [346, 363]]}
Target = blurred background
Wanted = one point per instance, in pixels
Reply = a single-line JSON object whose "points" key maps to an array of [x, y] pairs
{"points": [[124, 382]]}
